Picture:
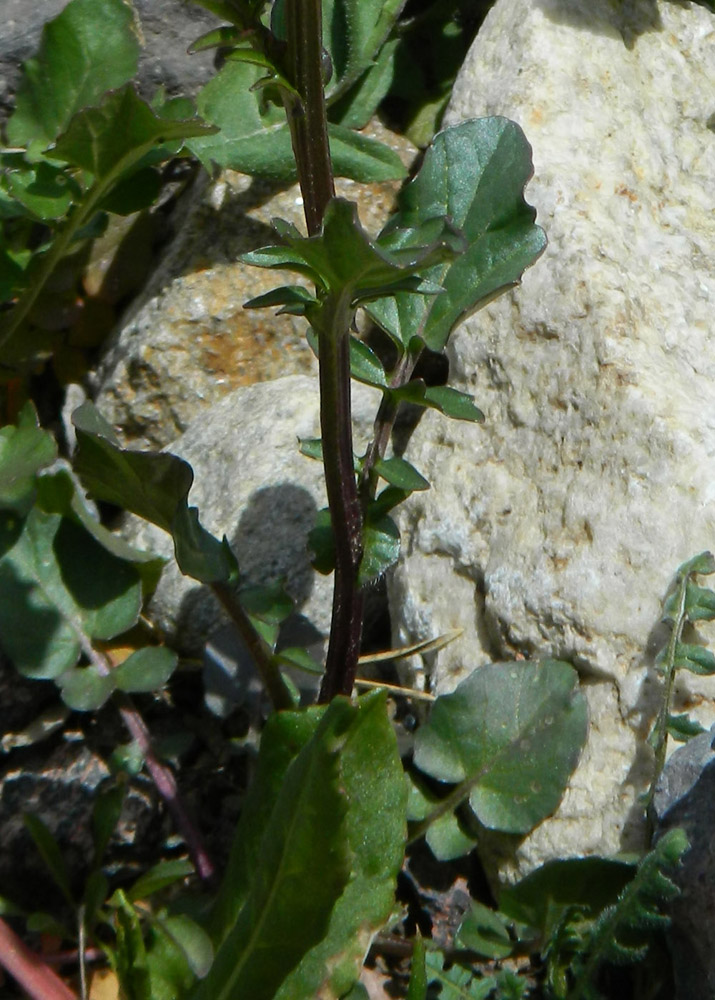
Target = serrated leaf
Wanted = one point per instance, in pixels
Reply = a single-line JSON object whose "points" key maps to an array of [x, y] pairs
{"points": [[457, 983], [24, 450], [474, 173], [373, 780], [145, 670], [160, 877], [48, 601], [152, 486], [51, 854], [307, 831], [90, 48], [114, 137], [85, 689], [254, 136], [398, 472], [509, 738]]}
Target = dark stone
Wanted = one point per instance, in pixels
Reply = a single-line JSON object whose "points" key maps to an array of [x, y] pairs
{"points": [[685, 797]]}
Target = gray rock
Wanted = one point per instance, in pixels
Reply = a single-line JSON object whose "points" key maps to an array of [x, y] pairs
{"points": [[685, 797], [554, 529], [187, 340], [253, 485], [168, 27]]}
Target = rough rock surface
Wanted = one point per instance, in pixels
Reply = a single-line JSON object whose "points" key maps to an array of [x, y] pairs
{"points": [[554, 529], [253, 485], [168, 29], [188, 340]]}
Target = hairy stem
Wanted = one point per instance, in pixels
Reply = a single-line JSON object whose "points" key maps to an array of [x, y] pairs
{"points": [[28, 970]]}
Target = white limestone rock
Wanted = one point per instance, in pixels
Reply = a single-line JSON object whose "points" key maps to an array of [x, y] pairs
{"points": [[252, 485], [554, 529]]}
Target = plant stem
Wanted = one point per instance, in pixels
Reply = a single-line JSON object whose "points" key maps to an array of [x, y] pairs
{"points": [[165, 783], [309, 134], [28, 970], [307, 117], [344, 502], [270, 673]]}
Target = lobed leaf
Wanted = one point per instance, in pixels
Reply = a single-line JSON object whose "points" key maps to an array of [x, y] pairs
{"points": [[90, 48], [474, 174], [152, 486]]}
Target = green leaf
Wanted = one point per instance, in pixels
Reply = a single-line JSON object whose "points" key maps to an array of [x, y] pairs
{"points": [[417, 989], [105, 816], [451, 402], [509, 738], [448, 839], [270, 603], [46, 190], [696, 659], [254, 136], [160, 877], [365, 366], [381, 548], [296, 656], [90, 48], [353, 32], [48, 601], [704, 563], [373, 780], [152, 486], [283, 737], [699, 603], [131, 958], [485, 932], [85, 689], [322, 544], [400, 473], [311, 448], [111, 139], [541, 899], [306, 832], [137, 191], [682, 728], [192, 940], [457, 983], [96, 890], [50, 853], [58, 492], [360, 103], [24, 450], [474, 173], [293, 298], [145, 670]]}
